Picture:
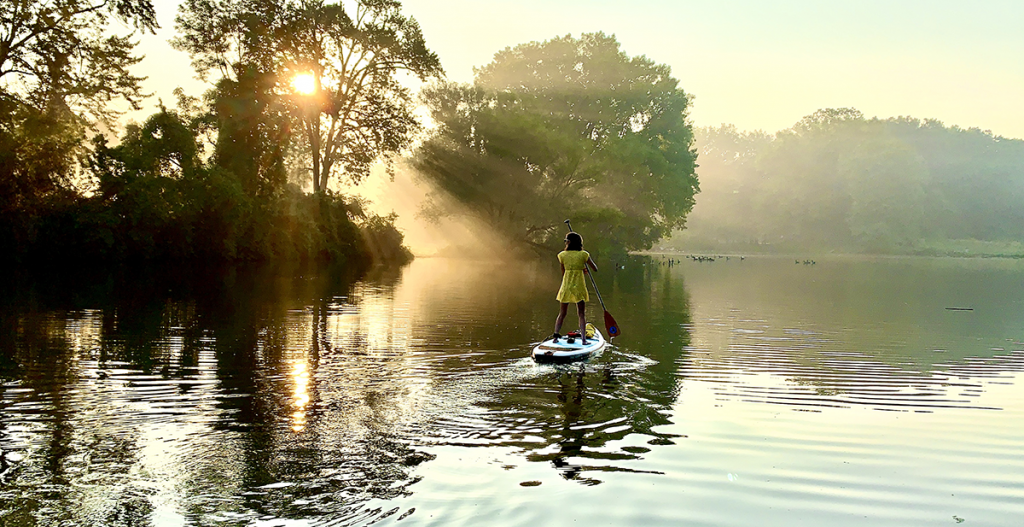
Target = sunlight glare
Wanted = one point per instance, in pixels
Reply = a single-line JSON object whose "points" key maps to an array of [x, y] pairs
{"points": [[300, 377], [304, 83]]}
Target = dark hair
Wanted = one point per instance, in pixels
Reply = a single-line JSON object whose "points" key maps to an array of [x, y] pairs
{"points": [[575, 241]]}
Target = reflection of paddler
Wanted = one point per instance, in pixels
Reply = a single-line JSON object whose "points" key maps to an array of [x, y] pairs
{"points": [[574, 261]]}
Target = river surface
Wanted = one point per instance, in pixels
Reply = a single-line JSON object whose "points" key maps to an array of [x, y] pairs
{"points": [[741, 392]]}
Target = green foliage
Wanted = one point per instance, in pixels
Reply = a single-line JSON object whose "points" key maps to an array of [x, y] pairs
{"points": [[38, 152], [837, 181], [885, 183], [567, 128], [159, 194], [253, 132], [384, 240], [156, 199], [359, 112], [59, 67]]}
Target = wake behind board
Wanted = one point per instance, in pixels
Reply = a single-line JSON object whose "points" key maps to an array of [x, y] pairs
{"points": [[564, 351]]}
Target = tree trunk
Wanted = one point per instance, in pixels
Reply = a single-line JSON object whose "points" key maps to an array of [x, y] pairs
{"points": [[314, 142], [319, 184]]}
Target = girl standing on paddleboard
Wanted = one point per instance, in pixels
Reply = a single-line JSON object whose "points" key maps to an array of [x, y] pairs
{"points": [[574, 262]]}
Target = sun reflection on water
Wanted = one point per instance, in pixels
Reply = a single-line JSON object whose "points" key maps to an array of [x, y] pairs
{"points": [[300, 394]]}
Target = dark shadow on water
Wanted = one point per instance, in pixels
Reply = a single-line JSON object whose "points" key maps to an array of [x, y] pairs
{"points": [[99, 367]]}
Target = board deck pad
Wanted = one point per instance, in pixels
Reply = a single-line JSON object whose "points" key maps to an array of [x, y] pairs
{"points": [[563, 351]]}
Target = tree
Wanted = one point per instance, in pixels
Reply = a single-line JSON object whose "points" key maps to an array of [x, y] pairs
{"points": [[884, 181], [730, 184], [357, 111], [839, 182], [805, 198], [149, 186], [58, 56], [253, 132], [59, 69], [565, 128]]}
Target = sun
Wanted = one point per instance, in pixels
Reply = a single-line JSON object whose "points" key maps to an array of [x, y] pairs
{"points": [[304, 83]]}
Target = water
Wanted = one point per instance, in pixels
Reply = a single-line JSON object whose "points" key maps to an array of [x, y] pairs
{"points": [[754, 392]]}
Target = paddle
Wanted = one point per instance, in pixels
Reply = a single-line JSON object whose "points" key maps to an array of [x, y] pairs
{"points": [[609, 320]]}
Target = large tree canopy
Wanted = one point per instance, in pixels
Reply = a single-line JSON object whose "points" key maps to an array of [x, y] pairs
{"points": [[567, 128], [60, 67], [358, 112], [58, 54]]}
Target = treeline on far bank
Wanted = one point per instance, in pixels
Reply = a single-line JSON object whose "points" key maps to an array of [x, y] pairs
{"points": [[838, 182]]}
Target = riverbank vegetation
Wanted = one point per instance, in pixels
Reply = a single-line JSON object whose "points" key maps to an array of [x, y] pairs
{"points": [[839, 182], [220, 177]]}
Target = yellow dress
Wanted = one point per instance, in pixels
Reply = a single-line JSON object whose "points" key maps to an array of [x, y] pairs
{"points": [[574, 285]]}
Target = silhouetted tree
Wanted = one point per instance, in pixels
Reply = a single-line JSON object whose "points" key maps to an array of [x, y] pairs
{"points": [[156, 198], [358, 112], [59, 68], [253, 132], [59, 54]]}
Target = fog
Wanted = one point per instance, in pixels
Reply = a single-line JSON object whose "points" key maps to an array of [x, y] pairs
{"points": [[427, 235], [839, 182]]}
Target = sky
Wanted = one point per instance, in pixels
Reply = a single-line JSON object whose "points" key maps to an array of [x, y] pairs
{"points": [[757, 64]]}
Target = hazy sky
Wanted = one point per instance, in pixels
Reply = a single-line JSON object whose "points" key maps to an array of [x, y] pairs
{"points": [[753, 63]]}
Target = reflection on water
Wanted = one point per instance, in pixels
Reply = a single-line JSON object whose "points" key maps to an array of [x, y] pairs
{"points": [[742, 392]]}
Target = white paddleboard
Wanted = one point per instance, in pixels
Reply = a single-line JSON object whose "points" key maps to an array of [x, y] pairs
{"points": [[565, 351]]}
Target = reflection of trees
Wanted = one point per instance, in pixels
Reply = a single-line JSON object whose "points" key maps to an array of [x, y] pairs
{"points": [[266, 392], [311, 403], [63, 432], [192, 398], [902, 300]]}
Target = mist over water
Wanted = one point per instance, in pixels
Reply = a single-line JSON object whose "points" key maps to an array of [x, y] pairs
{"points": [[429, 231], [741, 392]]}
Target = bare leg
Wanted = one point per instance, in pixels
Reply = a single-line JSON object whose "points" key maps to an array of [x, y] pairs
{"points": [[581, 310], [562, 310]]}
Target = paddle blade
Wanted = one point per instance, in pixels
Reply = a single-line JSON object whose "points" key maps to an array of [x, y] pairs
{"points": [[611, 325]]}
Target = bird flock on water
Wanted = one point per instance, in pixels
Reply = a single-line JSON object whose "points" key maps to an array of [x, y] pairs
{"points": [[701, 258]]}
